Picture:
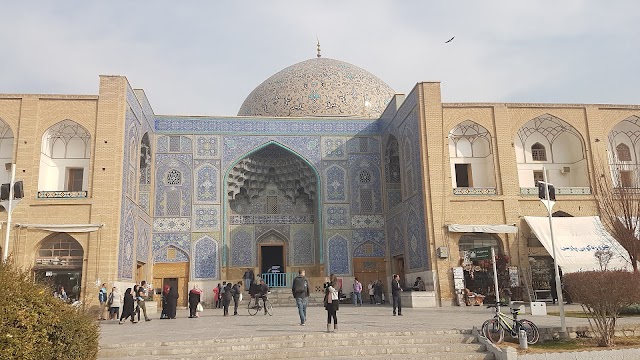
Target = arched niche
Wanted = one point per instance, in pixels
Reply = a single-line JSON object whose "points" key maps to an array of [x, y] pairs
{"points": [[471, 156], [393, 172], [6, 149], [60, 261], [624, 152], [550, 142], [64, 159]]}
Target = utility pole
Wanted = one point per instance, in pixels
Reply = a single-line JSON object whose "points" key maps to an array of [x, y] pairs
{"points": [[9, 204], [548, 199]]}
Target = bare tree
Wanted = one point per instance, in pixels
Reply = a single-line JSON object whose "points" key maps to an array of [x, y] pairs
{"points": [[618, 202]]}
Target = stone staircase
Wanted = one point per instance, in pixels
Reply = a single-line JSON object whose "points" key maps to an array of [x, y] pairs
{"points": [[443, 345], [283, 297]]}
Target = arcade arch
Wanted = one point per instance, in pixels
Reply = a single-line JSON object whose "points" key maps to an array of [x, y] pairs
{"points": [[60, 260], [64, 158], [624, 152], [550, 142], [471, 156]]}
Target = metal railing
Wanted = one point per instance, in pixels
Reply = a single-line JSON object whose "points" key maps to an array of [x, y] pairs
{"points": [[274, 280], [62, 194]]}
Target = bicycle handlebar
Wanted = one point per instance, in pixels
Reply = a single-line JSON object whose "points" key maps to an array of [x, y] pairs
{"points": [[496, 305]]}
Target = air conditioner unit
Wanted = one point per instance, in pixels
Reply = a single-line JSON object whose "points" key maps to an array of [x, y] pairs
{"points": [[565, 170]]}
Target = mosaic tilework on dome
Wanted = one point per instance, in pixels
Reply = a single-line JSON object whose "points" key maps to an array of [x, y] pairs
{"points": [[319, 87]]}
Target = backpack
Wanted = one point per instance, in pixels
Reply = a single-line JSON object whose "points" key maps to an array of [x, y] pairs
{"points": [[299, 285], [110, 300]]}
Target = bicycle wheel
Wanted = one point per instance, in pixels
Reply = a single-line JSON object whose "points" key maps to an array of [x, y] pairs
{"points": [[492, 330], [533, 335], [252, 306], [268, 307]]}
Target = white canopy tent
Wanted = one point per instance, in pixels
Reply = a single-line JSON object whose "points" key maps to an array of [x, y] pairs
{"points": [[576, 240], [490, 229]]}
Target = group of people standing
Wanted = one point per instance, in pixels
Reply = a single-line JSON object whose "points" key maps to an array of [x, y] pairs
{"points": [[376, 292], [224, 293], [132, 303]]}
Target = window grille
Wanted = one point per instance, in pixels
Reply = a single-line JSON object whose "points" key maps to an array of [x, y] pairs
{"points": [[173, 203], [174, 143], [171, 253], [272, 204], [364, 145], [174, 177], [366, 200], [365, 177]]}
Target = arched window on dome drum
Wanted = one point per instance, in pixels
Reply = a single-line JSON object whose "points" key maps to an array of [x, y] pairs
{"points": [[538, 152], [623, 152]]}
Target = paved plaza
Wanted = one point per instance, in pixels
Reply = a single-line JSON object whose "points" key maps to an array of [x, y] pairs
{"points": [[285, 321]]}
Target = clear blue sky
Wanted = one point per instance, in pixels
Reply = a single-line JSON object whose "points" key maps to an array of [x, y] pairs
{"points": [[205, 57]]}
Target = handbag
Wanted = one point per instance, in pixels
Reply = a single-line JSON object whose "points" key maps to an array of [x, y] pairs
{"points": [[199, 308], [240, 297]]}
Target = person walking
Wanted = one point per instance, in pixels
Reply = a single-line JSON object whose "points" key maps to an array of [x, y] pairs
{"points": [[172, 302], [135, 300], [357, 292], [128, 307], [300, 290], [223, 288], [236, 290], [227, 295], [377, 292], [371, 293], [102, 297], [194, 300], [396, 289], [115, 302], [331, 302], [141, 295]]}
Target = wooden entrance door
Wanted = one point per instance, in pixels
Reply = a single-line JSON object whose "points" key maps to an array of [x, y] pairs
{"points": [[170, 274], [272, 251]]}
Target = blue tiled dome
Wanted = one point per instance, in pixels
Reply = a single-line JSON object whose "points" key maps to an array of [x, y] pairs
{"points": [[319, 87]]}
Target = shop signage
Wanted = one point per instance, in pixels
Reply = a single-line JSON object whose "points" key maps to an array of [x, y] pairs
{"points": [[481, 253]]}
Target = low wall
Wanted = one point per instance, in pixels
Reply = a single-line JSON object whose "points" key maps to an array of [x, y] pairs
{"points": [[418, 299]]}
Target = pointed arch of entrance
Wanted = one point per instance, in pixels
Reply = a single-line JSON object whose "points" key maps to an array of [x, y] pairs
{"points": [[271, 184], [272, 251]]}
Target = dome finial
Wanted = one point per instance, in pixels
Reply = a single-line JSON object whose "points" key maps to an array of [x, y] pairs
{"points": [[319, 55]]}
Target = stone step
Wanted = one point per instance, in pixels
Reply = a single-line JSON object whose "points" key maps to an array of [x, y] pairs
{"points": [[461, 336], [438, 344], [332, 351]]}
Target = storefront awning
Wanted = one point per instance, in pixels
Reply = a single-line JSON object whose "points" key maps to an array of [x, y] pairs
{"points": [[490, 229], [68, 228], [576, 240]]}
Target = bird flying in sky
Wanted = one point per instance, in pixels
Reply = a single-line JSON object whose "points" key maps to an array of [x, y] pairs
{"points": [[450, 40]]}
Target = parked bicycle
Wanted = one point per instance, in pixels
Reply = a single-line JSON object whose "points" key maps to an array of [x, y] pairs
{"points": [[256, 304], [494, 329]]}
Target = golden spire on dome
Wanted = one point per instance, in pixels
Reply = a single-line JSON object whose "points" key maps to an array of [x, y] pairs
{"points": [[319, 55]]}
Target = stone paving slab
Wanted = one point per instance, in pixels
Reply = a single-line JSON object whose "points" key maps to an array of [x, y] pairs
{"points": [[285, 321]]}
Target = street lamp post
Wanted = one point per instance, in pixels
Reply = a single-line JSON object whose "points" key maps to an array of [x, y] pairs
{"points": [[548, 203]]}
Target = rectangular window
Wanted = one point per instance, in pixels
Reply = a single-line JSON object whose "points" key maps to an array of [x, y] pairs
{"points": [[368, 249], [174, 143], [463, 176], [173, 203], [171, 253], [74, 179], [539, 154], [272, 204], [538, 175], [364, 145], [626, 178], [366, 201]]}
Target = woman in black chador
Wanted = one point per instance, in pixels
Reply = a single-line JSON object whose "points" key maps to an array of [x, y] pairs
{"points": [[127, 307], [194, 300], [172, 302]]}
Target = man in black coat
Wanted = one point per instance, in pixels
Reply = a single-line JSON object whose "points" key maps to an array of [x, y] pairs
{"points": [[396, 289]]}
